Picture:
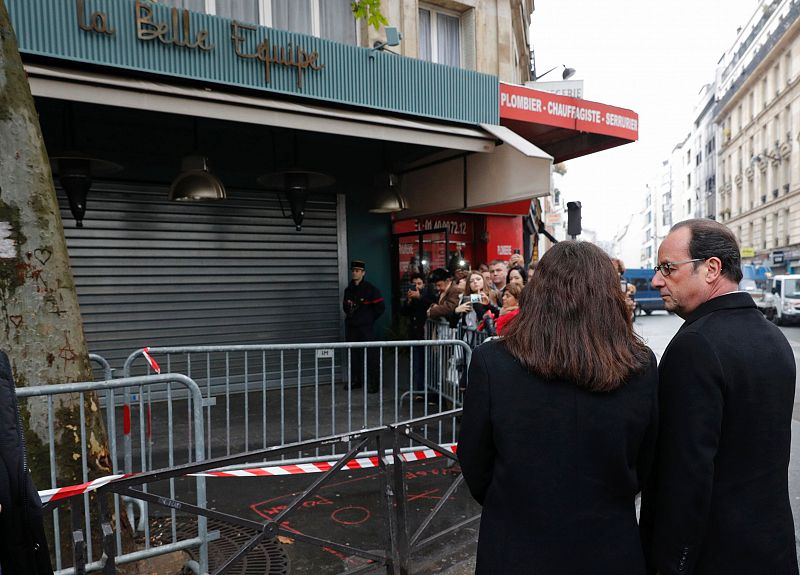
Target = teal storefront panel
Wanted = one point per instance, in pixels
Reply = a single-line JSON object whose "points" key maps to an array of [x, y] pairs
{"points": [[152, 38]]}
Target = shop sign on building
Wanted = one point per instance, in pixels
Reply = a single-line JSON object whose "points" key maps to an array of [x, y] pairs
{"points": [[553, 218], [151, 37], [777, 258], [571, 88], [747, 252], [534, 106]]}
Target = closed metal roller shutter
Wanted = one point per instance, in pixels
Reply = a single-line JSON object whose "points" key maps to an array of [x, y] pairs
{"points": [[150, 272]]}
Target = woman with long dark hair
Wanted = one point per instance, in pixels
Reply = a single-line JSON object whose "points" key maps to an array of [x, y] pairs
{"points": [[559, 425]]}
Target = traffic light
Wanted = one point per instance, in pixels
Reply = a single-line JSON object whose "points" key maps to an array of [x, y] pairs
{"points": [[573, 219]]}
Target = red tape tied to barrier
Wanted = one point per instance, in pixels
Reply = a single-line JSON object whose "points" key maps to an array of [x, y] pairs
{"points": [[153, 363], [296, 469]]}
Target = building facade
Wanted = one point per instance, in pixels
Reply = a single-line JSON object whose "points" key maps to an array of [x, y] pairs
{"points": [[703, 142], [319, 128], [307, 128], [758, 115]]}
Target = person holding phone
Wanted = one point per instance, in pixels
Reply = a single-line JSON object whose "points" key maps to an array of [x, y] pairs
{"points": [[475, 302]]}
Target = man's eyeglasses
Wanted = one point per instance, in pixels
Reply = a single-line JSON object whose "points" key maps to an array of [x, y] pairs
{"points": [[667, 267]]}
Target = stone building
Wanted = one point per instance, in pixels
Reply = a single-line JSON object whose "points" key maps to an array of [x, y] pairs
{"points": [[758, 117]]}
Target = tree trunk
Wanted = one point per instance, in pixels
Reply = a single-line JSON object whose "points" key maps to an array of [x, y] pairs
{"points": [[40, 322]]}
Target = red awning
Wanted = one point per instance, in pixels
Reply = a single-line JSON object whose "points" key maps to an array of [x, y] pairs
{"points": [[562, 126]]}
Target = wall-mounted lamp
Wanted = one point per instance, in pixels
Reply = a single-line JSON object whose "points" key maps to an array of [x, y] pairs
{"points": [[393, 37], [195, 183], [296, 184], [75, 171], [388, 199], [565, 75], [764, 156]]}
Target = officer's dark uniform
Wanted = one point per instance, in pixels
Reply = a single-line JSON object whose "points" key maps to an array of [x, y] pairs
{"points": [[363, 305]]}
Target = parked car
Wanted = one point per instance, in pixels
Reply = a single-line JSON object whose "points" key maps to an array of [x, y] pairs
{"points": [[756, 282], [647, 299], [782, 303]]}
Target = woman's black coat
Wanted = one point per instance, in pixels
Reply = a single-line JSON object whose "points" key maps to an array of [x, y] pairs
{"points": [[556, 468], [23, 547]]}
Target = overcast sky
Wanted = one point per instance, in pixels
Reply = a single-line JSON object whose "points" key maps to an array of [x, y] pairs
{"points": [[649, 56]]}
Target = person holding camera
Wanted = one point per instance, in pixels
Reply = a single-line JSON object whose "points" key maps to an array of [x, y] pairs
{"points": [[415, 306], [449, 297], [475, 302]]}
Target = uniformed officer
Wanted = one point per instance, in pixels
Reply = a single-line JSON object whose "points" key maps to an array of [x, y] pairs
{"points": [[363, 305]]}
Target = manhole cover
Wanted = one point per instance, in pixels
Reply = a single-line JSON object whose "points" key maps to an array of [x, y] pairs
{"points": [[267, 558]]}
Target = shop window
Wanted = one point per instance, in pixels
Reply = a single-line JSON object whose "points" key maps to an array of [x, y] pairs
{"points": [[439, 36]]}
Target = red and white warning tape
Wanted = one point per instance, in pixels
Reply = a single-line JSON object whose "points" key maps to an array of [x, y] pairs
{"points": [[63, 492], [153, 363], [295, 469], [322, 466]]}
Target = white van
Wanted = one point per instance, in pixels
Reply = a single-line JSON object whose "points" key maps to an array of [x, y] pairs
{"points": [[782, 302]]}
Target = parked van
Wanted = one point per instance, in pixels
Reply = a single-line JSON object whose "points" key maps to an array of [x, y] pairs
{"points": [[782, 303], [647, 299]]}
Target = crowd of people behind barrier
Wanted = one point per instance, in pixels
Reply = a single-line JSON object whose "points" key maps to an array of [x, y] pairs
{"points": [[476, 303]]}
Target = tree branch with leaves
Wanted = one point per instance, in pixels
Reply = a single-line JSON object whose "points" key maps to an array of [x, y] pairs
{"points": [[369, 10]]}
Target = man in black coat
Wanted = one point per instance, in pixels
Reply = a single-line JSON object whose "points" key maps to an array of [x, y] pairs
{"points": [[363, 305], [23, 547], [719, 501]]}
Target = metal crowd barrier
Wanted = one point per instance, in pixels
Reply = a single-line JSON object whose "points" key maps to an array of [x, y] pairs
{"points": [[441, 330], [400, 539], [103, 365], [182, 430], [270, 395]]}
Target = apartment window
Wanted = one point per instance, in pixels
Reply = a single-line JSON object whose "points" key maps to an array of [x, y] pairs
{"points": [[776, 77], [330, 19], [193, 5], [439, 36], [776, 240], [787, 66], [739, 118], [786, 234], [515, 75], [294, 15], [787, 124], [764, 96], [764, 233], [752, 104], [688, 181]]}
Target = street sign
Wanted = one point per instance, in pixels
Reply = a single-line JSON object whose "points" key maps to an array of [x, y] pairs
{"points": [[747, 252], [553, 218]]}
